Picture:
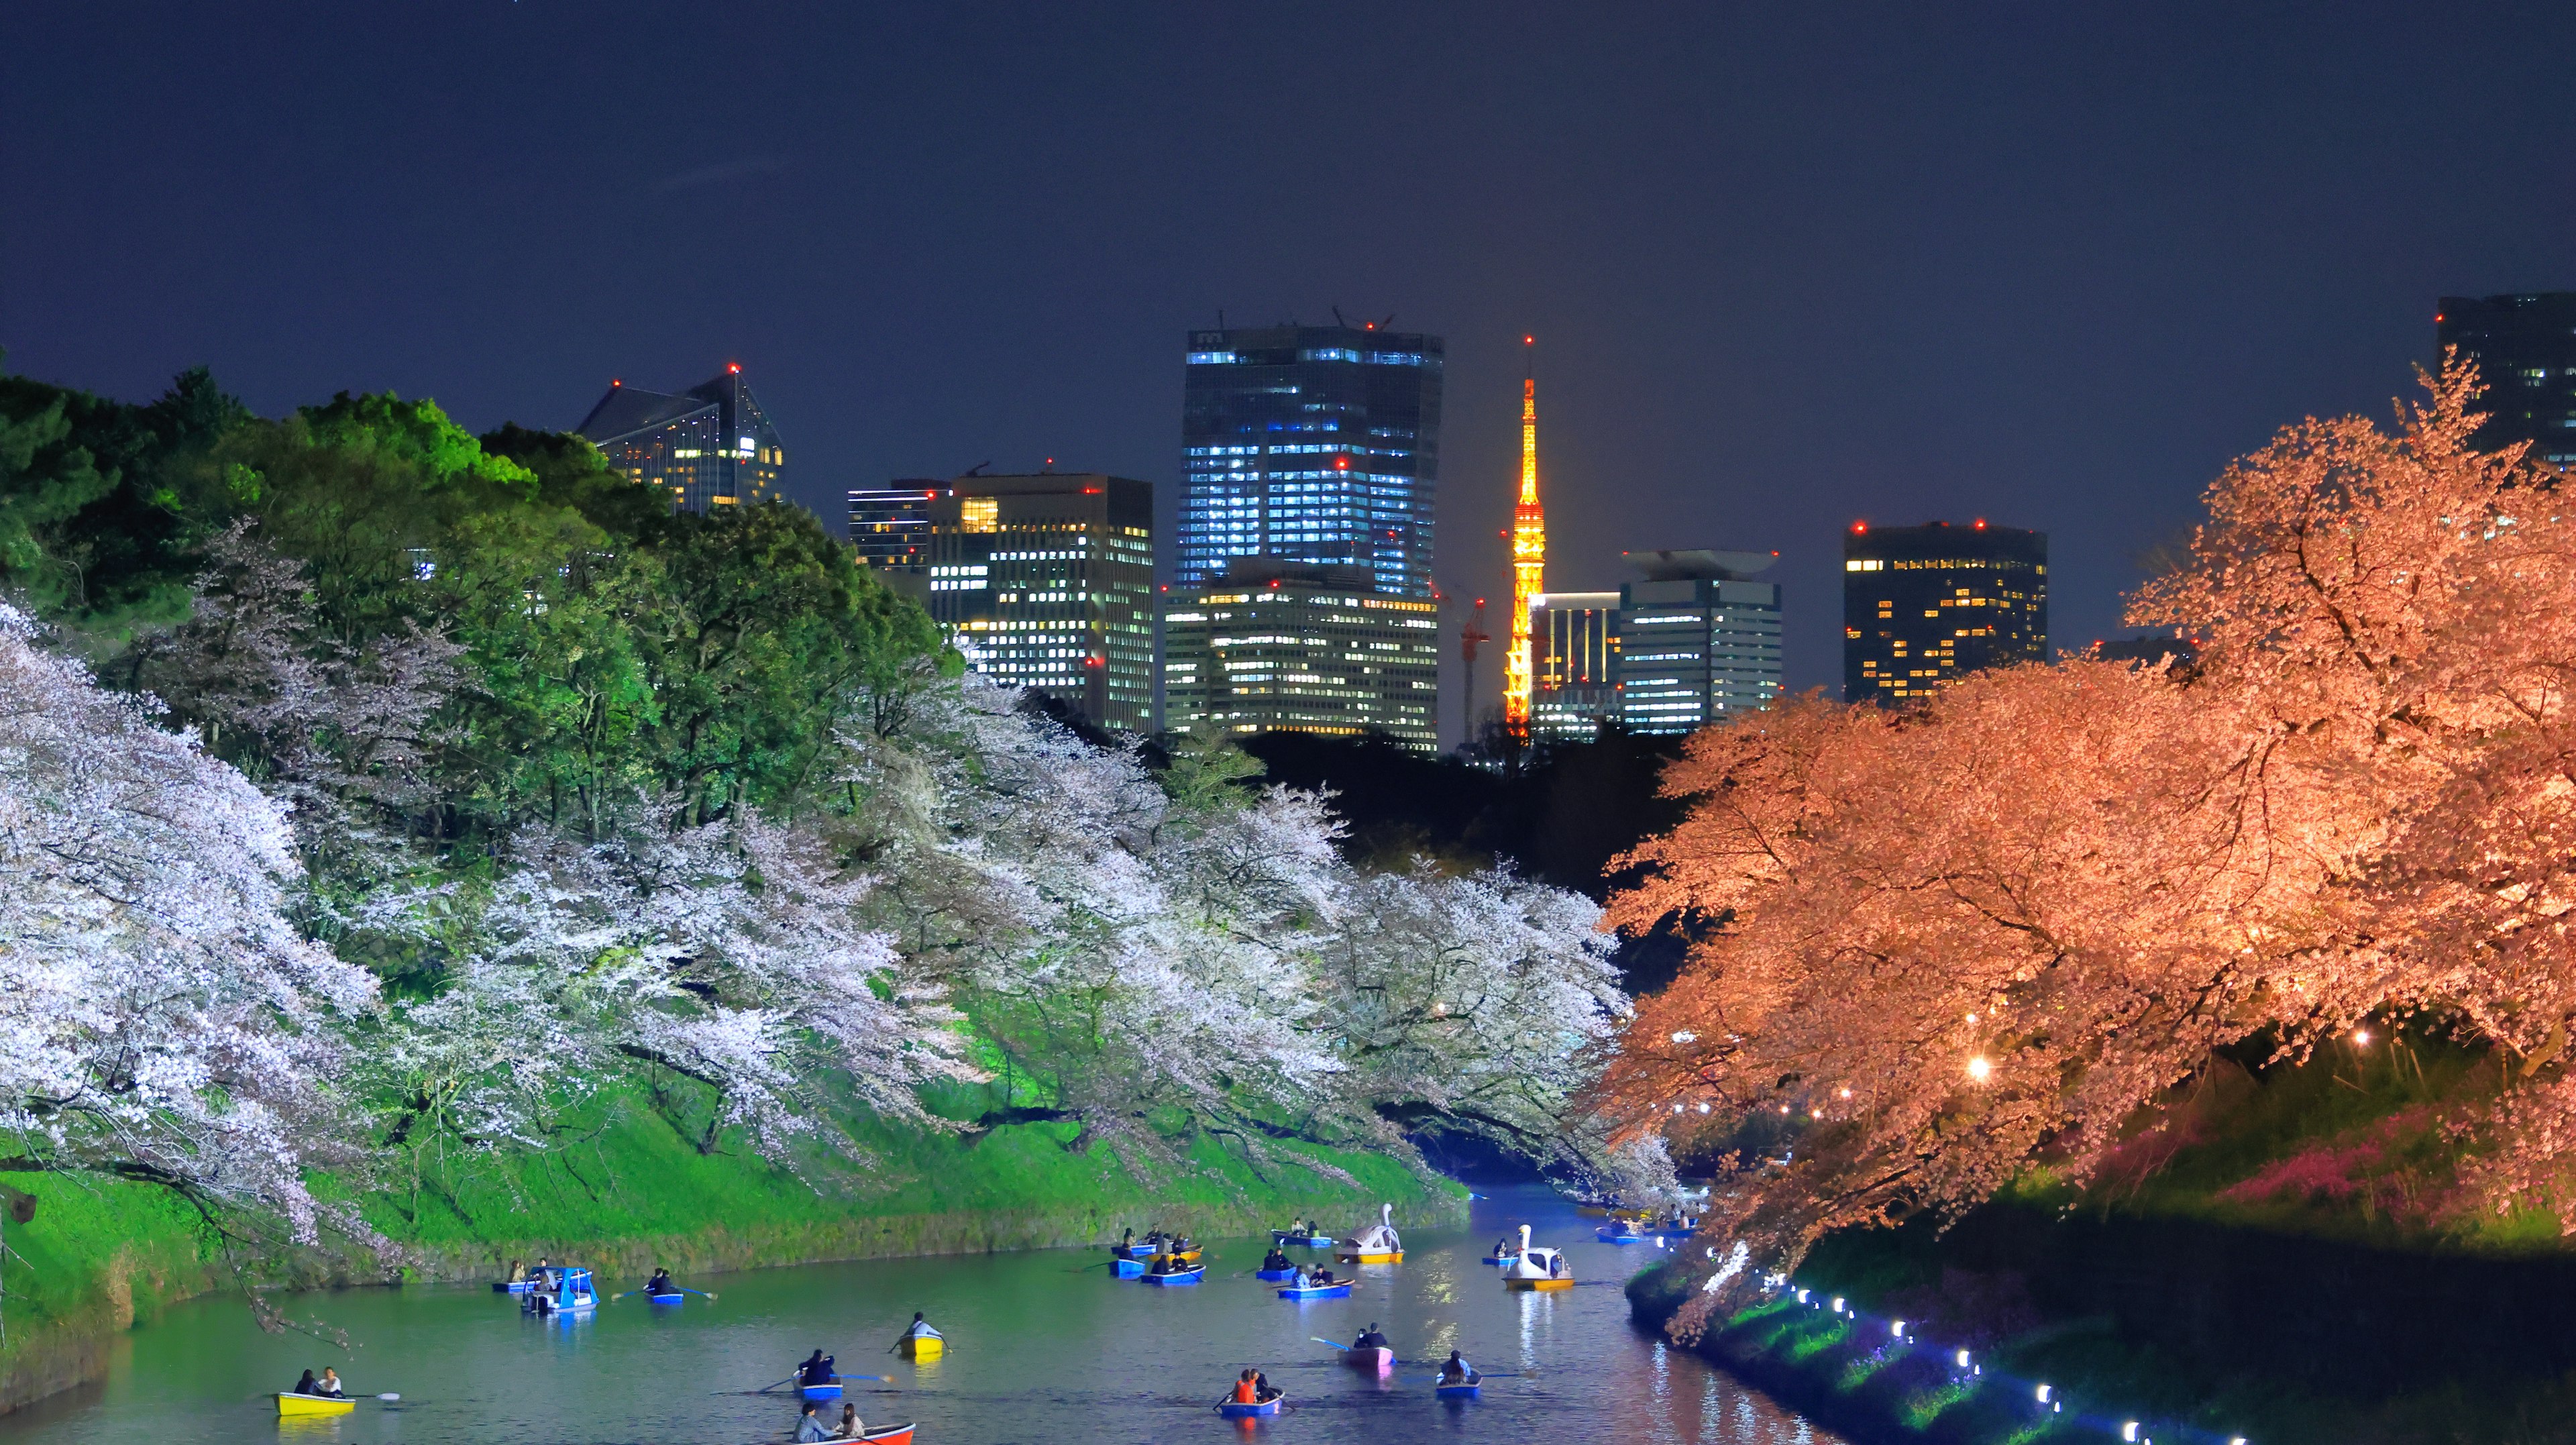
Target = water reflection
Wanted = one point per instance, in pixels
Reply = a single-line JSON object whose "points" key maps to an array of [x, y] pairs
{"points": [[1043, 1347]]}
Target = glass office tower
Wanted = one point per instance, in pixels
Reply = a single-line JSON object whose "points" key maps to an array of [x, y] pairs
{"points": [[1047, 581], [2525, 348], [1699, 639], [1311, 444], [1575, 639], [1922, 605], [710, 446], [1295, 647]]}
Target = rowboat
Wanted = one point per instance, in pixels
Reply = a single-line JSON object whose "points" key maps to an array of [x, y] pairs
{"points": [[1558, 1283], [1188, 1276], [890, 1435], [1301, 1239], [1497, 1259], [1365, 1256], [1619, 1234], [1127, 1268], [1138, 1251], [1467, 1390], [1275, 1275], [507, 1286], [819, 1392], [1318, 1291], [667, 1299], [291, 1403], [921, 1347], [1377, 1359], [1233, 1411]]}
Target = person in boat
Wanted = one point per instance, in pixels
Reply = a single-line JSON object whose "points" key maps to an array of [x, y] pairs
{"points": [[1245, 1391], [1262, 1393], [660, 1283], [1324, 1276], [851, 1426], [306, 1386], [1127, 1241], [1301, 1279], [1167, 1264], [1555, 1265], [1370, 1339], [809, 1426], [1275, 1259], [817, 1369], [919, 1329], [1503, 1248], [1455, 1371], [517, 1275], [540, 1275], [329, 1384]]}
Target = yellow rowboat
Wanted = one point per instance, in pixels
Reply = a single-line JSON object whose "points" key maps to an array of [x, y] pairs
{"points": [[921, 1347], [290, 1403], [1385, 1256], [1556, 1283]]}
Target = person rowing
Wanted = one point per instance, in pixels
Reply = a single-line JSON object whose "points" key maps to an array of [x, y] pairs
{"points": [[1456, 1371], [919, 1329], [1275, 1259], [307, 1386], [817, 1369], [1245, 1391], [660, 1283], [1370, 1339], [1261, 1391]]}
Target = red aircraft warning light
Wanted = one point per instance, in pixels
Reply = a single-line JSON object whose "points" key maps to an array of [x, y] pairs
{"points": [[1981, 524], [1859, 527], [734, 367]]}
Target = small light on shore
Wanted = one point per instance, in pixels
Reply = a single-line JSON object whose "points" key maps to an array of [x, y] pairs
{"points": [[2361, 1036], [1979, 1069]]}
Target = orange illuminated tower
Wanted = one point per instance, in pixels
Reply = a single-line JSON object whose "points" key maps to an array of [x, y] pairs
{"points": [[1529, 564]]}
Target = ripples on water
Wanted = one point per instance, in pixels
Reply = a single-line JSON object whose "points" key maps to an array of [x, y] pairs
{"points": [[1044, 1349]]}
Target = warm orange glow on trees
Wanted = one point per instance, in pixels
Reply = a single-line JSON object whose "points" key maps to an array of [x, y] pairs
{"points": [[1993, 929]]}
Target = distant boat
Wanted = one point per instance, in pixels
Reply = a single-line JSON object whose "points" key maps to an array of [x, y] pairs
{"points": [[1127, 1268], [1192, 1275], [1377, 1359], [918, 1348], [1377, 1244], [1620, 1232], [1466, 1390], [820, 1392], [668, 1299], [1303, 1238], [291, 1403], [1338, 1290], [1275, 1275], [1234, 1410], [1537, 1268]]}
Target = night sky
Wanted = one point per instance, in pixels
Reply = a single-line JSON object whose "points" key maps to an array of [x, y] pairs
{"points": [[1788, 265]]}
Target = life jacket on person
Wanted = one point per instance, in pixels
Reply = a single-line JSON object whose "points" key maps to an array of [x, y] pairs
{"points": [[1245, 1392]]}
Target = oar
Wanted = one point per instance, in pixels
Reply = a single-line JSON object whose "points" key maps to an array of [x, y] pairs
{"points": [[710, 1294], [1336, 1344], [765, 1389], [858, 1377], [389, 1395]]}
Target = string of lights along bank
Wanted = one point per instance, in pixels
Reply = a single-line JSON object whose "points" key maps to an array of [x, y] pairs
{"points": [[1529, 558]]}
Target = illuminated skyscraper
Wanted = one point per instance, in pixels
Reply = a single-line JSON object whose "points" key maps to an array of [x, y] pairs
{"points": [[1529, 569], [1698, 640], [710, 446], [1047, 581], [1295, 647], [890, 526], [1922, 605], [1314, 444], [2525, 348]]}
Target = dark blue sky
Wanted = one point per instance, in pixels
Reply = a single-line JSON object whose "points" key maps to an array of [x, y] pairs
{"points": [[1788, 265]]}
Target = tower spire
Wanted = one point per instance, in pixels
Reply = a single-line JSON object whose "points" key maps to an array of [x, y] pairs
{"points": [[1529, 558]]}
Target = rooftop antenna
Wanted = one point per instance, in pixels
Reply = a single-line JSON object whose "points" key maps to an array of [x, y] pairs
{"points": [[1338, 321], [1220, 318], [1389, 321], [976, 470]]}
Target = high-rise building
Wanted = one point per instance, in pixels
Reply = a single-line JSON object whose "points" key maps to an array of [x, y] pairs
{"points": [[1314, 444], [2525, 348], [890, 526], [1529, 571], [710, 446], [1299, 647], [1574, 639], [1698, 639], [1922, 605], [1047, 581]]}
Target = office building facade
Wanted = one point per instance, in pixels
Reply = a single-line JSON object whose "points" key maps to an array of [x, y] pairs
{"points": [[1310, 444], [1574, 642], [1296, 647], [710, 446], [1698, 639], [1047, 581], [1922, 605], [890, 526], [2525, 348]]}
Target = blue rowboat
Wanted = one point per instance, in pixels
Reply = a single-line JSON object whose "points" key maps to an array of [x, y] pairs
{"points": [[1341, 1290], [1498, 1259], [1612, 1236], [1127, 1268], [1233, 1411], [1466, 1391], [667, 1299], [1311, 1241], [1191, 1275], [1275, 1275], [819, 1392]]}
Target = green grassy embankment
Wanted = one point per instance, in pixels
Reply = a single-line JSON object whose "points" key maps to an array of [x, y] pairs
{"points": [[623, 1189], [2292, 1259]]}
